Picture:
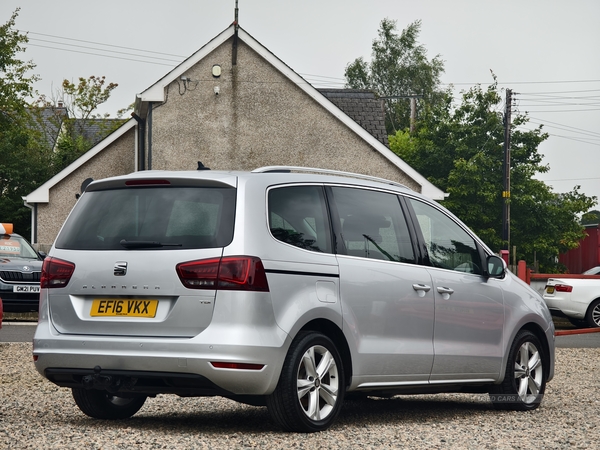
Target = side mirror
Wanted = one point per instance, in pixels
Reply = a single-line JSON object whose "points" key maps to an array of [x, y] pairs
{"points": [[42, 254], [496, 267]]}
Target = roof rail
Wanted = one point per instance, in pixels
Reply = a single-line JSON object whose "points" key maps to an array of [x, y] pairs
{"points": [[287, 169]]}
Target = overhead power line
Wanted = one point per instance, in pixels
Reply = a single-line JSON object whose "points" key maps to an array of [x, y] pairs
{"points": [[592, 133], [101, 50], [105, 45], [104, 56], [544, 102]]}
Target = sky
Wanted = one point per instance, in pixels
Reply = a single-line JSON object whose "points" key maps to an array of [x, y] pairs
{"points": [[545, 51]]}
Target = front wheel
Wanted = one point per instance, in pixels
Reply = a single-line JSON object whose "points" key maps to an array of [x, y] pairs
{"points": [[592, 317], [103, 405], [525, 379], [311, 387]]}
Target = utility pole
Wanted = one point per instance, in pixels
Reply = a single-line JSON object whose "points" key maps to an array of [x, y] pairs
{"points": [[413, 106], [506, 172], [413, 113]]}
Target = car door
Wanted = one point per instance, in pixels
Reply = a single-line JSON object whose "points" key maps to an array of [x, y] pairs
{"points": [[387, 300], [469, 307]]}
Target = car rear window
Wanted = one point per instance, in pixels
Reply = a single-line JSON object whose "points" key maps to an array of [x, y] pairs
{"points": [[175, 217]]}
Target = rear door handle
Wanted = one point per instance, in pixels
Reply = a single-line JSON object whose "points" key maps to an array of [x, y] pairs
{"points": [[445, 290], [421, 287]]}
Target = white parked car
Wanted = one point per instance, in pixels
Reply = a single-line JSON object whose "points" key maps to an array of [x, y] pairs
{"points": [[592, 271], [578, 299]]}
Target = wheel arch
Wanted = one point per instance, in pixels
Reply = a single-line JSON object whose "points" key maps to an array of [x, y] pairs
{"points": [[591, 305], [333, 332], [541, 335]]}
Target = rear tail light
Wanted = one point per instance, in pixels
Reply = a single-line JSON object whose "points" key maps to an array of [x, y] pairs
{"points": [[56, 273], [237, 273], [563, 288]]}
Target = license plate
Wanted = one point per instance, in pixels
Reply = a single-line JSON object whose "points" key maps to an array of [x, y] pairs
{"points": [[550, 290], [112, 307], [26, 289]]}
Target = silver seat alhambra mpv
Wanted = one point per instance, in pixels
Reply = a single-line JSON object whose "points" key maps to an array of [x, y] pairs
{"points": [[286, 287]]}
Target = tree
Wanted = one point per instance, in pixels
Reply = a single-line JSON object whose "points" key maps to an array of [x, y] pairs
{"points": [[24, 162], [399, 67], [591, 217], [29, 153], [81, 126], [460, 149], [15, 86]]}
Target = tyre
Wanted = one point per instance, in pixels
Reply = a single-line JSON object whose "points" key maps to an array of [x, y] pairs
{"points": [[103, 405], [311, 386], [592, 316], [525, 378]]}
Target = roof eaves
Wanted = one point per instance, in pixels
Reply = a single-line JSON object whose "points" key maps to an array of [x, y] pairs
{"points": [[427, 188], [156, 92], [42, 194]]}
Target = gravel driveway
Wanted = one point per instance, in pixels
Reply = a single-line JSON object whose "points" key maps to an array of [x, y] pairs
{"points": [[36, 414]]}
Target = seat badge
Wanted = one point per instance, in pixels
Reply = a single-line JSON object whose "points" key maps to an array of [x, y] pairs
{"points": [[120, 268]]}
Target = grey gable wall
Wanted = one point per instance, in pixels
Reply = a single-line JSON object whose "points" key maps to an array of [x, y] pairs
{"points": [[117, 159], [259, 118]]}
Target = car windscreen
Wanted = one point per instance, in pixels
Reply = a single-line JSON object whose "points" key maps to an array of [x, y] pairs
{"points": [[173, 217], [12, 246]]}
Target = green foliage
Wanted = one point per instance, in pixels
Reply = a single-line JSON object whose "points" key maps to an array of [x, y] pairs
{"points": [[83, 98], [15, 86], [398, 67], [29, 154], [23, 167], [81, 127], [591, 217], [461, 150], [24, 162]]}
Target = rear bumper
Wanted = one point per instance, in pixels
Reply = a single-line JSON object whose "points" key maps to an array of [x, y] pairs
{"points": [[566, 308], [161, 365]]}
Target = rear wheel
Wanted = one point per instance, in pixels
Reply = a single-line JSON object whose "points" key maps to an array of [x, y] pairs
{"points": [[525, 380], [592, 317], [311, 387], [104, 405]]}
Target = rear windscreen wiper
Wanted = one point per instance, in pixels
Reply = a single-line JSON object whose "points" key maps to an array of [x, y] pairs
{"points": [[145, 244]]}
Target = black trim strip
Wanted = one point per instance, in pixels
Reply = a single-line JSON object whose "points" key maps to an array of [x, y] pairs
{"points": [[296, 272]]}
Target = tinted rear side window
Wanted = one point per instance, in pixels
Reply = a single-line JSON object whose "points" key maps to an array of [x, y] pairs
{"points": [[182, 217], [298, 216], [373, 225]]}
